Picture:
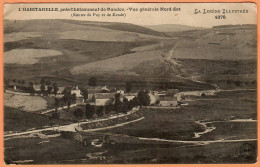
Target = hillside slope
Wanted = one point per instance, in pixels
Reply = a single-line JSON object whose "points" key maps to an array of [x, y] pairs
{"points": [[172, 27], [126, 51], [69, 25]]}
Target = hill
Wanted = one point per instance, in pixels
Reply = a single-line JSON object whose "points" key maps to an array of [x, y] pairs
{"points": [[118, 52], [172, 27], [57, 25]]}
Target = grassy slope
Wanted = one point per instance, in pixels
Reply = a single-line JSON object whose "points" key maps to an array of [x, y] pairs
{"points": [[228, 43], [54, 152], [67, 25], [233, 44], [75, 52], [242, 105], [17, 120], [179, 123], [172, 27]]}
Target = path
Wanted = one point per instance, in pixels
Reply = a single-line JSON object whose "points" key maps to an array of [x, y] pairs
{"points": [[114, 126], [196, 142], [71, 127], [170, 59]]}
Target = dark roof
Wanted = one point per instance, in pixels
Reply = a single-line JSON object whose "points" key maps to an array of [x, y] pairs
{"points": [[173, 91], [102, 95], [167, 98]]}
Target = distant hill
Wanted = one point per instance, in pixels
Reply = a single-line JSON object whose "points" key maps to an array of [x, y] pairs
{"points": [[172, 27], [80, 49], [57, 25]]}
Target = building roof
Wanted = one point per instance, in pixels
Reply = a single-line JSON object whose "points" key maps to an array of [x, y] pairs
{"points": [[105, 89], [104, 95], [130, 94], [101, 95], [38, 87], [61, 89], [167, 98], [173, 91]]}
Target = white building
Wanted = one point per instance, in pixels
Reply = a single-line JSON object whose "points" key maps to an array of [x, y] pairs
{"points": [[120, 92], [76, 91], [101, 99], [168, 101]]}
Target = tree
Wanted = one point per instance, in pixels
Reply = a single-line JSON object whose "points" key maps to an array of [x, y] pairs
{"points": [[117, 102], [100, 111], [143, 98], [22, 82], [42, 81], [84, 93], [92, 81], [229, 82], [49, 90], [125, 105], [109, 108], [89, 111], [129, 86], [48, 83], [31, 89], [130, 105], [57, 102], [73, 97], [55, 88], [78, 113], [6, 82], [117, 98], [55, 114], [69, 98], [237, 83], [135, 101], [125, 100], [42, 88]]}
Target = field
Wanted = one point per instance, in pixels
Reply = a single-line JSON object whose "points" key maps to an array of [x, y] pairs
{"points": [[129, 51], [17, 120], [29, 56], [28, 103], [180, 123]]}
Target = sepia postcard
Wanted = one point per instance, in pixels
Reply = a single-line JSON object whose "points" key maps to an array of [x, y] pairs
{"points": [[130, 83]]}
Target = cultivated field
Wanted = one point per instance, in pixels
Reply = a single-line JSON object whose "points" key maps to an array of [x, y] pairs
{"points": [[28, 56], [26, 103]]}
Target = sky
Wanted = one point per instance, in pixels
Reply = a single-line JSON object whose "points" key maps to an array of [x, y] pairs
{"points": [[186, 15]]}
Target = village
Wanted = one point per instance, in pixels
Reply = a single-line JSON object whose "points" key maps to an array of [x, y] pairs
{"points": [[96, 98], [88, 109]]}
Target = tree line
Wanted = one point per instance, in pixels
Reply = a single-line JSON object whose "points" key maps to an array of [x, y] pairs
{"points": [[119, 106]]}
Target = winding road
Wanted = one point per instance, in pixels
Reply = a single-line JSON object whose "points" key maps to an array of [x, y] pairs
{"points": [[71, 127]]}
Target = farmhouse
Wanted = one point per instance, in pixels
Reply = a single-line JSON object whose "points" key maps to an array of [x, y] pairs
{"points": [[168, 101], [76, 91], [38, 87], [172, 92], [96, 89], [120, 92], [153, 98], [130, 96], [61, 89], [105, 89], [101, 99]]}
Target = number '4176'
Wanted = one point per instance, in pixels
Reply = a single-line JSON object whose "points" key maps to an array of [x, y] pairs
{"points": [[220, 17]]}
